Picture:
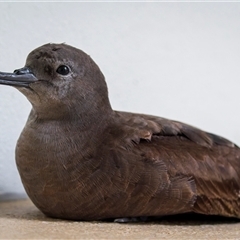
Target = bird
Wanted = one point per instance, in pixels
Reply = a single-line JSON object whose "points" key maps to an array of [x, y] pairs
{"points": [[79, 159]]}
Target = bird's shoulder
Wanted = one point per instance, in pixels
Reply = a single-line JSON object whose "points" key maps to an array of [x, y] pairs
{"points": [[135, 127]]}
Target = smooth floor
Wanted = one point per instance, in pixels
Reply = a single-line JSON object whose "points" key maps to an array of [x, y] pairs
{"points": [[22, 220]]}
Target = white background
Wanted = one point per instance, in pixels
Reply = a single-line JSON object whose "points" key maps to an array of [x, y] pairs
{"points": [[175, 60]]}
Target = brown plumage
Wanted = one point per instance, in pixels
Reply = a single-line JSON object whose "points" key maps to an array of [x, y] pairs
{"points": [[79, 159]]}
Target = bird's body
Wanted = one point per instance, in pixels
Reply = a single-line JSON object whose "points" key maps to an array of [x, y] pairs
{"points": [[79, 159]]}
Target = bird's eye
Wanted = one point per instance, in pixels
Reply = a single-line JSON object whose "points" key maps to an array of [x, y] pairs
{"points": [[63, 70]]}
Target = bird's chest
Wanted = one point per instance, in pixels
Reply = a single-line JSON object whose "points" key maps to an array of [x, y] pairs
{"points": [[55, 171]]}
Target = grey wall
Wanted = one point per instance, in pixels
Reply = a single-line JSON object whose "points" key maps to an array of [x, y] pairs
{"points": [[177, 60]]}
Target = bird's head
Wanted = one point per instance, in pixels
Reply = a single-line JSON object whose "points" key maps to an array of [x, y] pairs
{"points": [[60, 81]]}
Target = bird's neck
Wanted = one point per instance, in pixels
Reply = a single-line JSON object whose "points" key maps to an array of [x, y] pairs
{"points": [[81, 121], [84, 117]]}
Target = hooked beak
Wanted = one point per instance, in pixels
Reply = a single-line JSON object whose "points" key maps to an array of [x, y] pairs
{"points": [[19, 78]]}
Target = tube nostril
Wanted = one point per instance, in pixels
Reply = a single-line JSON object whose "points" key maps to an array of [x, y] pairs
{"points": [[17, 71], [22, 71]]}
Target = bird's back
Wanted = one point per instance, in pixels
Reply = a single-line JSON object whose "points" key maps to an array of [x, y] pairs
{"points": [[201, 171]]}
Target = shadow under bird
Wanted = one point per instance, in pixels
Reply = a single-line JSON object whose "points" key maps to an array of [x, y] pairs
{"points": [[79, 159]]}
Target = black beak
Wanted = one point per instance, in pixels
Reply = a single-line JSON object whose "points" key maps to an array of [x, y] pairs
{"points": [[19, 78]]}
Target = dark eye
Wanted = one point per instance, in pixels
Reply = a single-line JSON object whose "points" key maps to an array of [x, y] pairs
{"points": [[63, 70]]}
